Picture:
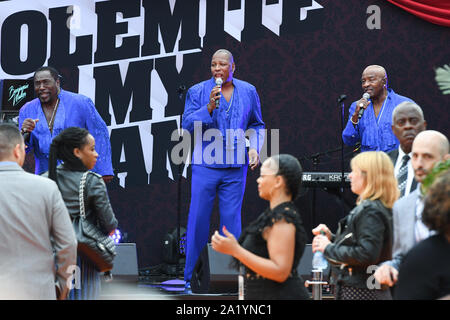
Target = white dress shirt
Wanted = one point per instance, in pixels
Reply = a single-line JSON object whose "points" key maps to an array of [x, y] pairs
{"points": [[421, 231]]}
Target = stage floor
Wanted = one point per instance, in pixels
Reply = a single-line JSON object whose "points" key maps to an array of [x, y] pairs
{"points": [[161, 287], [155, 289]]}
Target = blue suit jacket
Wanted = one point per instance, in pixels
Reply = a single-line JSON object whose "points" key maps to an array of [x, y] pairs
{"points": [[374, 134], [74, 110], [212, 131]]}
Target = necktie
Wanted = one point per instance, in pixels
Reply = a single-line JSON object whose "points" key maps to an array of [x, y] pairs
{"points": [[403, 175]]}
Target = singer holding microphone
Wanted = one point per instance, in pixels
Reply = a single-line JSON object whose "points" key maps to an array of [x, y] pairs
{"points": [[370, 118], [54, 110], [223, 108]]}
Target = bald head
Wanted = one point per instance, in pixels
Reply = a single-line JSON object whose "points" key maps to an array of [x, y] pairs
{"points": [[376, 70], [429, 147], [379, 70], [224, 52], [435, 139]]}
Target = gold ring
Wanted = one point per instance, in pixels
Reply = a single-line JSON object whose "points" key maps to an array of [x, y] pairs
{"points": [[361, 105]]}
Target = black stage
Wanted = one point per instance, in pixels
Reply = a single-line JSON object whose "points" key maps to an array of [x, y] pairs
{"points": [[169, 287], [156, 288], [212, 278]]}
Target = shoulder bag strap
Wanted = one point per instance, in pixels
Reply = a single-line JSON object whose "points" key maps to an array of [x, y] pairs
{"points": [[81, 194]]}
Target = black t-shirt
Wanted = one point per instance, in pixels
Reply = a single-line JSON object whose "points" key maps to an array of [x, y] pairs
{"points": [[425, 271]]}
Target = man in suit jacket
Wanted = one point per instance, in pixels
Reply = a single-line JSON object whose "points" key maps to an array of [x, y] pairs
{"points": [[407, 122], [37, 241], [429, 147]]}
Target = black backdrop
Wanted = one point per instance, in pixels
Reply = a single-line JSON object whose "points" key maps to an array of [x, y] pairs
{"points": [[299, 77]]}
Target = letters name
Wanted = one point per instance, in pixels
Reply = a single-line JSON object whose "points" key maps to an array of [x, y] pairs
{"points": [[237, 309]]}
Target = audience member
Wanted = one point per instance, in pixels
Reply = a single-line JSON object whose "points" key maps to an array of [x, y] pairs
{"points": [[429, 147], [364, 236], [270, 248], [407, 122], [37, 241], [425, 271], [76, 148]]}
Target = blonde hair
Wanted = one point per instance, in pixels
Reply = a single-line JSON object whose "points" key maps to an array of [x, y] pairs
{"points": [[380, 181]]}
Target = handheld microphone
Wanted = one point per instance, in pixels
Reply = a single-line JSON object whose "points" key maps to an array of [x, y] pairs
{"points": [[365, 96], [219, 82]]}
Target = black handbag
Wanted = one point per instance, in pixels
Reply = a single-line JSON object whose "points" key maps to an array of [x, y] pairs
{"points": [[93, 244]]}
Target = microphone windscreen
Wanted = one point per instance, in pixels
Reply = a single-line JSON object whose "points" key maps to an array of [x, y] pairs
{"points": [[219, 81], [366, 96]]}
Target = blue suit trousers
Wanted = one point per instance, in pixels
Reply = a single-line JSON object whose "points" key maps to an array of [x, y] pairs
{"points": [[229, 185]]}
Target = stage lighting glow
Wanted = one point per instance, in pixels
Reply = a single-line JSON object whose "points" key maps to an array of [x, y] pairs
{"points": [[117, 236]]}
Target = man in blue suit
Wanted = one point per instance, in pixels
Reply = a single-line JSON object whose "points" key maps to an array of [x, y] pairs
{"points": [[220, 159], [54, 110], [373, 129]]}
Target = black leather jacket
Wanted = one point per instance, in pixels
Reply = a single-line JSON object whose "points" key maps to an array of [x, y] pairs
{"points": [[97, 206], [363, 238]]}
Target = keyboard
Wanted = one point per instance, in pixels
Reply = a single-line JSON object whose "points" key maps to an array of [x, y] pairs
{"points": [[324, 179]]}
